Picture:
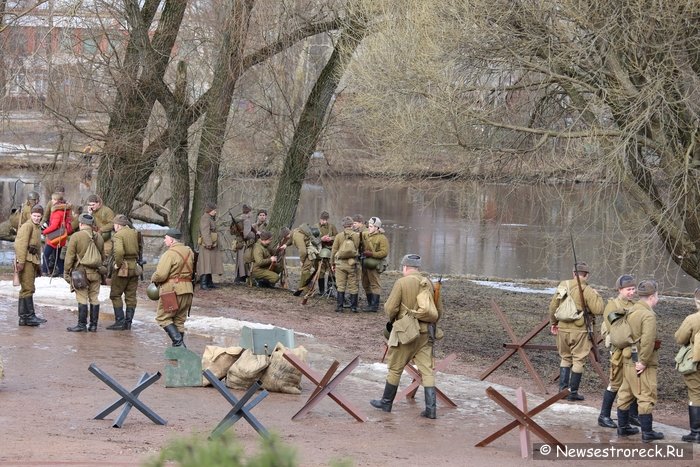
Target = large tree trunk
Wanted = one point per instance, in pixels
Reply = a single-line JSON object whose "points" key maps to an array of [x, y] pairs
{"points": [[310, 126], [123, 170], [228, 69], [179, 164]]}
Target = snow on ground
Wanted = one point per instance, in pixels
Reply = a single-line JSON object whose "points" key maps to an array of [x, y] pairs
{"points": [[513, 287]]}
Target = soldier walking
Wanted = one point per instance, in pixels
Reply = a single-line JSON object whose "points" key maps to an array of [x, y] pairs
{"points": [[640, 363], [688, 334], [174, 273], [75, 259], [402, 299], [573, 343], [27, 259], [124, 275]]}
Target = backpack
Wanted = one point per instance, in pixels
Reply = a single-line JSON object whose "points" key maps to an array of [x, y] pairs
{"points": [[619, 329], [684, 360], [92, 257], [426, 310], [566, 311], [347, 249]]}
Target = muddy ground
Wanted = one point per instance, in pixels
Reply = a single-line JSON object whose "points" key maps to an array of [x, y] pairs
{"points": [[48, 398]]}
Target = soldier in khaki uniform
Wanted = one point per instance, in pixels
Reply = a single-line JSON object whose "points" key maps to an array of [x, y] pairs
{"points": [[242, 231], [27, 258], [688, 334], [305, 242], [26, 212], [125, 277], [403, 297], [266, 267], [210, 260], [640, 364], [376, 248], [77, 246], [260, 223], [328, 232], [103, 221], [174, 273], [626, 287], [573, 343], [345, 269]]}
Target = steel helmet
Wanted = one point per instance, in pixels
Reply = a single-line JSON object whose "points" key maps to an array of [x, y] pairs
{"points": [[153, 291], [33, 195], [325, 253]]}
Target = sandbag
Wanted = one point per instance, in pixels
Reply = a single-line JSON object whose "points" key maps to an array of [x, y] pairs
{"points": [[246, 370], [218, 360], [282, 376]]}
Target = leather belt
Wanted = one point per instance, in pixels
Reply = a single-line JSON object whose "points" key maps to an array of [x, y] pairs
{"points": [[180, 279]]}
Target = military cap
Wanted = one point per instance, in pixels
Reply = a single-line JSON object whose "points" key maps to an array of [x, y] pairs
{"points": [[411, 260], [325, 215], [624, 281], [265, 235], [347, 221], [120, 219], [358, 218], [647, 288], [93, 199], [86, 219], [209, 207], [38, 208], [375, 221], [582, 267], [174, 233]]}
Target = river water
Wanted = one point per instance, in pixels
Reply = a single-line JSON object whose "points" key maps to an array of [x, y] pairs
{"points": [[486, 230]]}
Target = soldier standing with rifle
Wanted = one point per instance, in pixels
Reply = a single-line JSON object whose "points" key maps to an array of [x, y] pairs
{"points": [[575, 338]]}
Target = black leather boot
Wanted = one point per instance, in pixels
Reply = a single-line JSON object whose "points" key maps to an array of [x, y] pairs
{"points": [[183, 339], [210, 282], [32, 313], [94, 317], [694, 418], [370, 303], [339, 301], [119, 321], [203, 283], [648, 434], [321, 286], [387, 399], [174, 335], [430, 404], [353, 303], [604, 419], [573, 386], [564, 374], [634, 414], [25, 318], [82, 319], [623, 423], [129, 317]]}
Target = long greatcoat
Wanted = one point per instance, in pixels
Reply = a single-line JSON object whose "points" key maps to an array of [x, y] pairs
{"points": [[210, 261]]}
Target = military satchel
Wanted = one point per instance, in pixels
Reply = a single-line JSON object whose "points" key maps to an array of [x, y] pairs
{"points": [[406, 329], [684, 360], [78, 279]]}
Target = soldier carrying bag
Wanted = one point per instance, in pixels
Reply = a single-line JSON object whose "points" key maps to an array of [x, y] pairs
{"points": [[566, 311], [347, 248]]}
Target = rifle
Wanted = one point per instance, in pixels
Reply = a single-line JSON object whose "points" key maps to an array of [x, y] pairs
{"points": [[140, 260], [432, 327], [235, 228], [587, 315], [312, 285]]}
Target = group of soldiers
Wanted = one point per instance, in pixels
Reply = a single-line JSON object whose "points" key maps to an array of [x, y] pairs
{"points": [[633, 368], [260, 262], [85, 249]]}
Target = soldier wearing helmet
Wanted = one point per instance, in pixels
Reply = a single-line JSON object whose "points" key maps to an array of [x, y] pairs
{"points": [[26, 213]]}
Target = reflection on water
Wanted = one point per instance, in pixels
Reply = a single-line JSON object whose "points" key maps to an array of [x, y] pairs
{"points": [[487, 230]]}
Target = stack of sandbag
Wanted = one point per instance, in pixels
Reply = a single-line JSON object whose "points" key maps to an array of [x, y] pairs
{"points": [[219, 360], [274, 372]]}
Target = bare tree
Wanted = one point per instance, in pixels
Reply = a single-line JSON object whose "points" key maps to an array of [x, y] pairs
{"points": [[568, 89]]}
